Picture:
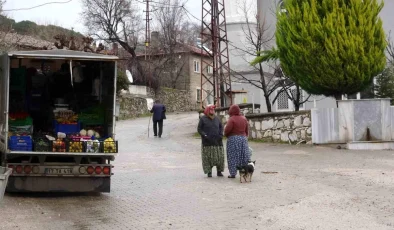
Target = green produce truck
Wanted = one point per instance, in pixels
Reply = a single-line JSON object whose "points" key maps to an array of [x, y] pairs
{"points": [[57, 120]]}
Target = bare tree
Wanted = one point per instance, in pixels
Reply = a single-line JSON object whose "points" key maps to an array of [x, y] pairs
{"points": [[390, 49], [174, 37], [116, 21], [257, 39]]}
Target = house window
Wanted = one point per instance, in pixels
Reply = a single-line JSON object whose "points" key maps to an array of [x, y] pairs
{"points": [[196, 66], [209, 69], [198, 95], [282, 101]]}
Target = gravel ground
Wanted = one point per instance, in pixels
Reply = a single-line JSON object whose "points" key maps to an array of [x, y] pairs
{"points": [[159, 184]]}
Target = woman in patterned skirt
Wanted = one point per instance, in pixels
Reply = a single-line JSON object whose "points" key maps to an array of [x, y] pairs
{"points": [[236, 131], [211, 130]]}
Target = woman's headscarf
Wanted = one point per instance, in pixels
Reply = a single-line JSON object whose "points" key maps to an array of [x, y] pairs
{"points": [[209, 108], [234, 110]]}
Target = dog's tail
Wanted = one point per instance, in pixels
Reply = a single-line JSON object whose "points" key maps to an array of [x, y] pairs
{"points": [[239, 167]]}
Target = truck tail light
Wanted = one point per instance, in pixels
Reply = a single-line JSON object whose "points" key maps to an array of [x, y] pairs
{"points": [[106, 170], [36, 169], [98, 170], [19, 169], [82, 170], [90, 170], [27, 169]]}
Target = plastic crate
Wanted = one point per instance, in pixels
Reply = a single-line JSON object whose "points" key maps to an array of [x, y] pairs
{"points": [[42, 145], [93, 146], [67, 128], [4, 174], [109, 146], [75, 146], [59, 146], [20, 143]]}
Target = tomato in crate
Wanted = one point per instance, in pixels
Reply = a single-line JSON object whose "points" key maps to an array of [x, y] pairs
{"points": [[59, 146]]}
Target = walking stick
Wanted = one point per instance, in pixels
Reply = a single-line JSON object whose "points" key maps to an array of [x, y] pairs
{"points": [[150, 118]]}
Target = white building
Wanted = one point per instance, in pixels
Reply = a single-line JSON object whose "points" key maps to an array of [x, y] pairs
{"points": [[265, 10]]}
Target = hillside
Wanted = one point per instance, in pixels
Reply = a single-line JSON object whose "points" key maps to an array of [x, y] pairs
{"points": [[44, 32]]}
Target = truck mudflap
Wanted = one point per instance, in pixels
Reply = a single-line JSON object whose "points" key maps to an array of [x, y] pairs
{"points": [[59, 184]]}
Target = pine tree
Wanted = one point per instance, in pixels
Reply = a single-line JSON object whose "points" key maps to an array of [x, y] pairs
{"points": [[331, 47]]}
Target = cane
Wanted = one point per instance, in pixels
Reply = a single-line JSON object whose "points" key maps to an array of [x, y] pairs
{"points": [[150, 118]]}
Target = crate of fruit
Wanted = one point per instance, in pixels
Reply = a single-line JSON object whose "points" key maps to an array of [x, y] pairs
{"points": [[110, 146], [59, 146], [42, 144], [75, 146], [93, 146]]}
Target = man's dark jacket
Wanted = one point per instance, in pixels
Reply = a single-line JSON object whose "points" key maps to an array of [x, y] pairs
{"points": [[159, 112]]}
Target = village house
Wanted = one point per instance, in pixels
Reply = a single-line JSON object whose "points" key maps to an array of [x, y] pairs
{"points": [[179, 69]]}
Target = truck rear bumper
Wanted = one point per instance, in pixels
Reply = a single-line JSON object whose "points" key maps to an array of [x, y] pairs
{"points": [[59, 184]]}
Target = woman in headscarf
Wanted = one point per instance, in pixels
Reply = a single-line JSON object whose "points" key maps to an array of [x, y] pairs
{"points": [[237, 131], [211, 130]]}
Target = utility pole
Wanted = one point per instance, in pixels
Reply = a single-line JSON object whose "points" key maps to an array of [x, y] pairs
{"points": [[147, 40], [147, 28], [214, 43]]}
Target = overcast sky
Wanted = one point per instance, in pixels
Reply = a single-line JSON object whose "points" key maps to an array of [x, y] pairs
{"points": [[66, 15]]}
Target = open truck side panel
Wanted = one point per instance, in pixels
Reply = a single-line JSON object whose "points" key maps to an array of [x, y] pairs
{"points": [[58, 171]]}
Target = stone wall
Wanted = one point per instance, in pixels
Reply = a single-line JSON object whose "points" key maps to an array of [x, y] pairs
{"points": [[286, 127], [175, 100], [132, 107]]}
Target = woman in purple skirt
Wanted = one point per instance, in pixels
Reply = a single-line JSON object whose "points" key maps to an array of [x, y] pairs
{"points": [[236, 131]]}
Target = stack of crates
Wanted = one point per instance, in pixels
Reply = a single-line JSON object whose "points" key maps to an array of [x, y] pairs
{"points": [[20, 143]]}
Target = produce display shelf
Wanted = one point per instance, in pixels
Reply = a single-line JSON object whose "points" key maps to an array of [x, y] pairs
{"points": [[61, 153]]}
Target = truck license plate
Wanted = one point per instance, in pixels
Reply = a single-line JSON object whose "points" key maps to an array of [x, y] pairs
{"points": [[58, 171]]}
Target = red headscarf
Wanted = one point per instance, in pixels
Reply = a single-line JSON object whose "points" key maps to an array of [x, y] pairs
{"points": [[208, 109], [234, 110]]}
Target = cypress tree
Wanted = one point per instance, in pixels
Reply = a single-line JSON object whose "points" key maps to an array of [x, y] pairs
{"points": [[331, 47]]}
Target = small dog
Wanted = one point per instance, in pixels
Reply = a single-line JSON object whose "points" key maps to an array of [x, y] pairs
{"points": [[246, 171]]}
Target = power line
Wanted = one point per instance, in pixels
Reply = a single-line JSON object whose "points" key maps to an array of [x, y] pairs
{"points": [[160, 4], [33, 7], [188, 13]]}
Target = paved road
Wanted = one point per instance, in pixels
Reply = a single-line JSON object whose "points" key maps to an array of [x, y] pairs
{"points": [[159, 184]]}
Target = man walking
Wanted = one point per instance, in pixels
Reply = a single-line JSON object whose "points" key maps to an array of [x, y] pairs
{"points": [[159, 114]]}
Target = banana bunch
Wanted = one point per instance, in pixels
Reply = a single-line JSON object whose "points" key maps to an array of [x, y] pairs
{"points": [[75, 147], [109, 145]]}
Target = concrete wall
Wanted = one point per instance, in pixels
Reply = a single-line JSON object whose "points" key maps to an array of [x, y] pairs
{"points": [[354, 121], [289, 127]]}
